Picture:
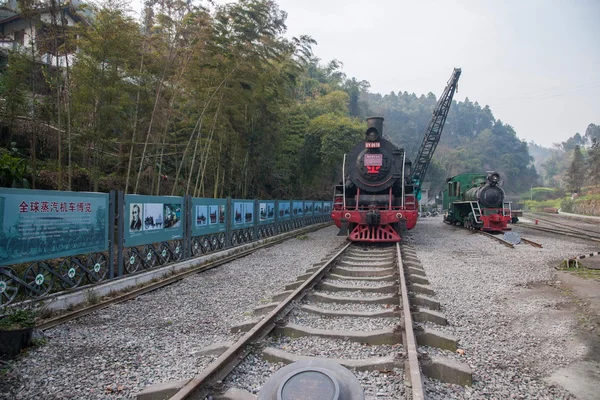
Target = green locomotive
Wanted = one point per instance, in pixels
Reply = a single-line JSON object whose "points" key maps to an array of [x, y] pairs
{"points": [[476, 201]]}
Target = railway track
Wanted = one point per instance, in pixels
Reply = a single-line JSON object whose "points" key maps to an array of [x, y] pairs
{"points": [[507, 243], [566, 232], [372, 298], [564, 229], [499, 239]]}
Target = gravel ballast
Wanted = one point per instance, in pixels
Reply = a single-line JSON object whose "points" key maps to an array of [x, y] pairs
{"points": [[514, 325], [117, 352]]}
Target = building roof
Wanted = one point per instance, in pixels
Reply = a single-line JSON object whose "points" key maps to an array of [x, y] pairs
{"points": [[7, 15]]}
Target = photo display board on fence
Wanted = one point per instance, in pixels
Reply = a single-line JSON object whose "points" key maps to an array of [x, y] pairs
{"points": [[327, 206], [43, 224], [318, 206], [266, 212], [151, 219], [208, 216], [243, 214], [297, 209], [284, 209], [308, 208]]}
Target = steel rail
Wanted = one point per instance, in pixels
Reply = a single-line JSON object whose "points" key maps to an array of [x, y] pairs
{"points": [[418, 393], [198, 387], [561, 224], [562, 232], [531, 242], [51, 323], [504, 242]]}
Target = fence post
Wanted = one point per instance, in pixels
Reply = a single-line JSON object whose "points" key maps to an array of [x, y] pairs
{"points": [[256, 216], [187, 205], [120, 231], [111, 233], [228, 214]]}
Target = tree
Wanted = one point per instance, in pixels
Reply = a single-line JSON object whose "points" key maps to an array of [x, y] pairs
{"points": [[575, 173], [594, 162]]}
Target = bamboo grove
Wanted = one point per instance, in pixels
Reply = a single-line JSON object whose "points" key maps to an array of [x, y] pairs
{"points": [[194, 99]]}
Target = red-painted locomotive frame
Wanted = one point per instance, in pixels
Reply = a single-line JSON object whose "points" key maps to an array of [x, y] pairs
{"points": [[362, 231]]}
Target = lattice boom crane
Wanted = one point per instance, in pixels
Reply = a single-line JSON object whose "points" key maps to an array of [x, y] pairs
{"points": [[434, 132]]}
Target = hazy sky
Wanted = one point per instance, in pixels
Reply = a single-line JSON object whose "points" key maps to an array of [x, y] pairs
{"points": [[536, 63]]}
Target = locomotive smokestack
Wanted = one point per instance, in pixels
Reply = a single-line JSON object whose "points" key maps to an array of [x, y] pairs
{"points": [[374, 124]]}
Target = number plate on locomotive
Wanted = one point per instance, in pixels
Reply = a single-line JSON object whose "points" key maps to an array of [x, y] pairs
{"points": [[372, 145], [373, 160]]}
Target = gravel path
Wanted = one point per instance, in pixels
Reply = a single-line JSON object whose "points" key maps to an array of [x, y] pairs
{"points": [[117, 352], [515, 327]]}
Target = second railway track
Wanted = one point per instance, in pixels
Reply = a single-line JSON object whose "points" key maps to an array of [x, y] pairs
{"points": [[355, 309]]}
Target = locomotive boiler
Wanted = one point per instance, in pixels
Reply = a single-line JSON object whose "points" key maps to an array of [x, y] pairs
{"points": [[477, 201]]}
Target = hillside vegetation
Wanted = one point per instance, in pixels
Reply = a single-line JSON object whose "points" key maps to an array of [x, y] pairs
{"points": [[214, 101]]}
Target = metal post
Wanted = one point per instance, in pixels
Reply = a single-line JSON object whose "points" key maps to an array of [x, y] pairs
{"points": [[228, 214], [187, 226], [256, 217], [120, 231], [343, 183], [111, 234]]}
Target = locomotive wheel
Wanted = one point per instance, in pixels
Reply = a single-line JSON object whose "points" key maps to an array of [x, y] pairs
{"points": [[9, 287], [214, 242], [165, 253], [133, 263], [71, 272], [205, 244], [177, 250], [150, 257], [97, 267], [196, 248], [38, 276]]}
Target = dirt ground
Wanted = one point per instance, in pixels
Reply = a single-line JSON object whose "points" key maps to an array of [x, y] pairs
{"points": [[581, 378]]}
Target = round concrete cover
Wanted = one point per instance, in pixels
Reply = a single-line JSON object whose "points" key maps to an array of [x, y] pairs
{"points": [[312, 380], [512, 237]]}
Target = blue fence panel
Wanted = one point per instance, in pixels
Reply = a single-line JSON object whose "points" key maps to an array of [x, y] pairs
{"points": [[266, 212], [243, 214], [297, 209], [318, 208], [41, 224], [284, 209], [308, 208], [208, 216], [151, 219]]}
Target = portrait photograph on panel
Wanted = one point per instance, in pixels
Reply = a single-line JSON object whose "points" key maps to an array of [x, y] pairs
{"points": [[201, 215], [213, 215], [172, 214], [135, 217], [153, 216]]}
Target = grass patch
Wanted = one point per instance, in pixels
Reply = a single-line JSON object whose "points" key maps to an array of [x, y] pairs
{"points": [[579, 270], [302, 237]]}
